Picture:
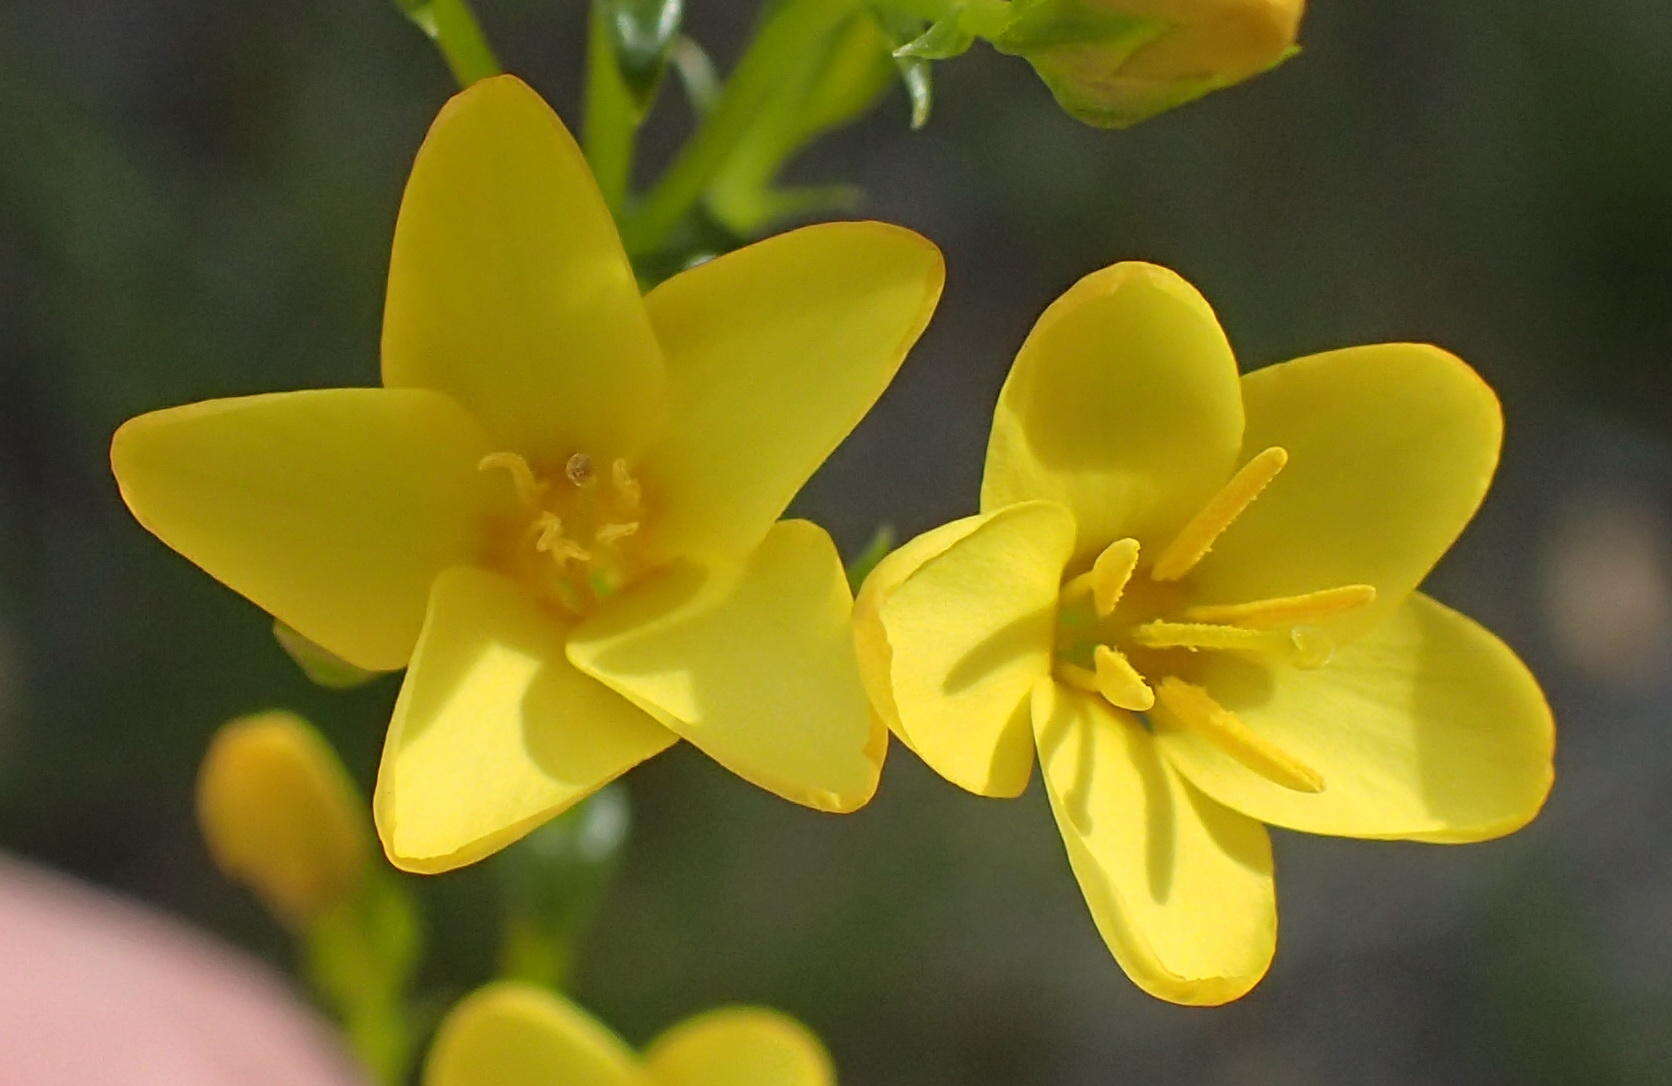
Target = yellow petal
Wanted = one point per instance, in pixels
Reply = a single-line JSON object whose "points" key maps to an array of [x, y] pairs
{"points": [[1123, 405], [1180, 887], [509, 289], [753, 662], [1427, 727], [774, 353], [494, 732], [870, 639], [1390, 450], [333, 510], [965, 635], [512, 1034], [739, 1046]]}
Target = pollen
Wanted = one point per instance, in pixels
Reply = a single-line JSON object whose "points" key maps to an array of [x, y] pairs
{"points": [[571, 539]]}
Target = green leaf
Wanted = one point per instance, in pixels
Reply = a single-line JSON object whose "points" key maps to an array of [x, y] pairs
{"points": [[642, 32], [320, 665]]}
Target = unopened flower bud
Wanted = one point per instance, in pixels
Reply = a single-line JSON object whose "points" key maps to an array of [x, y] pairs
{"points": [[281, 815], [1113, 63]]}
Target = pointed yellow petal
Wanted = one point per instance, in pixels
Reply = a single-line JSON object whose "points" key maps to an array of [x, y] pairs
{"points": [[739, 1046], [494, 732], [1390, 450], [508, 286], [333, 510], [512, 1034], [965, 635], [1180, 887], [775, 352], [1427, 727], [754, 663], [1123, 405]]}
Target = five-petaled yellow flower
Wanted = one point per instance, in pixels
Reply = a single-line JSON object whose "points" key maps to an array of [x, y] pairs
{"points": [[560, 510], [512, 1034], [1192, 662]]}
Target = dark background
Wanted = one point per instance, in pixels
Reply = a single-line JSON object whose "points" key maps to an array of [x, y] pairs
{"points": [[196, 200]]}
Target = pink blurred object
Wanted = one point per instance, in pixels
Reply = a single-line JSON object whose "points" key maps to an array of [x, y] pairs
{"points": [[98, 990]]}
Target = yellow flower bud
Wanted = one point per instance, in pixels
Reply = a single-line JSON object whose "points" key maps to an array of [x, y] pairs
{"points": [[281, 815], [1114, 63]]}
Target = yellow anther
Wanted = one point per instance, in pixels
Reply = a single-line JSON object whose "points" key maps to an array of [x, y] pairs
{"points": [[610, 533], [1202, 635], [1119, 682], [549, 539], [1286, 610], [578, 469], [626, 487], [1080, 678], [1111, 572], [1190, 707], [1197, 537], [529, 489]]}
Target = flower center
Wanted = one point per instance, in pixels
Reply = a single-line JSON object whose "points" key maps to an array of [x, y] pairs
{"points": [[572, 537], [1132, 634]]}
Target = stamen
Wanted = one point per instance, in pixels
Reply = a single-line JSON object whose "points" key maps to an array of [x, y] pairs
{"points": [[529, 489], [1075, 589], [1193, 708], [626, 487], [1286, 610], [1197, 537], [1080, 678], [1202, 635], [1111, 572], [551, 540], [610, 533], [1119, 681], [578, 468]]}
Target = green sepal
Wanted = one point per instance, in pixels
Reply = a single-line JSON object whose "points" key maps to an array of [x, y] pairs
{"points": [[320, 665], [945, 39], [1045, 24], [553, 883]]}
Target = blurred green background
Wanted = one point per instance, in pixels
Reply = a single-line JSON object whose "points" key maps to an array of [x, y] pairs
{"points": [[196, 200]]}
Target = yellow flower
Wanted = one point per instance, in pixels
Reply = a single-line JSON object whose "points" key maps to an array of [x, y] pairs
{"points": [[280, 815], [559, 510], [512, 1034], [1192, 662], [1114, 63]]}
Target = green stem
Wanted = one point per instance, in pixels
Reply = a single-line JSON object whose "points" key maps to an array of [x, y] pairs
{"points": [[454, 29], [612, 120], [794, 30]]}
